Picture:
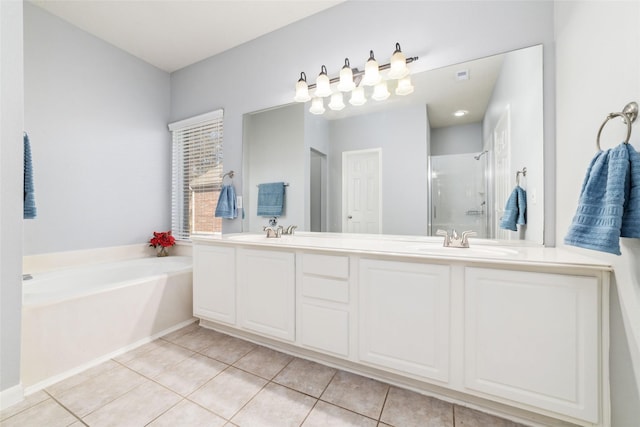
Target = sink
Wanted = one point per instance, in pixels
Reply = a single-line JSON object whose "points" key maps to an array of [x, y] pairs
{"points": [[476, 251]]}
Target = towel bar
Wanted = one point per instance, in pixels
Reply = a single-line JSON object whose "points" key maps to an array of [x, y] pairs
{"points": [[629, 115]]}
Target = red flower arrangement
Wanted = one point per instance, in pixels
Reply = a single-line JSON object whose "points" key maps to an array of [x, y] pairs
{"points": [[164, 239]]}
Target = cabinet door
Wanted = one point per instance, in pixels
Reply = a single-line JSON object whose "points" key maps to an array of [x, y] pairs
{"points": [[533, 338], [214, 283], [404, 317], [266, 286]]}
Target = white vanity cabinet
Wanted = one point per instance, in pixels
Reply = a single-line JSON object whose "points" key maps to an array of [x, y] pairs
{"points": [[524, 335], [534, 338], [214, 283], [324, 302], [404, 311], [266, 292]]}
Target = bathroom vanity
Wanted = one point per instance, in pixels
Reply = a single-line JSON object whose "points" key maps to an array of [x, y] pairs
{"points": [[518, 331]]}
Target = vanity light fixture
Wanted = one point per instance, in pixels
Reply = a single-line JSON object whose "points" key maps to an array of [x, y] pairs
{"points": [[404, 86], [398, 64], [354, 80], [346, 83], [317, 106], [302, 89], [323, 86], [371, 71], [380, 91], [357, 97], [337, 102]]}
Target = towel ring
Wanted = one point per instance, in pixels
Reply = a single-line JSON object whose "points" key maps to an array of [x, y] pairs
{"points": [[628, 114]]}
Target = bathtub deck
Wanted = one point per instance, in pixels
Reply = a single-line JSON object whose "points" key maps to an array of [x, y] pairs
{"points": [[184, 378]]}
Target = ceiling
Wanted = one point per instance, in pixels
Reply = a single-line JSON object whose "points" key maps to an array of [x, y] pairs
{"points": [[164, 32]]}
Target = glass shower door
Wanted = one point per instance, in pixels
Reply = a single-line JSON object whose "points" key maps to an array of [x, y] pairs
{"points": [[458, 193]]}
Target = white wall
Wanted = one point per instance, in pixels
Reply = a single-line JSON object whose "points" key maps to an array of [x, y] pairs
{"points": [[401, 134], [263, 72], [457, 139], [11, 193], [598, 72], [101, 150]]}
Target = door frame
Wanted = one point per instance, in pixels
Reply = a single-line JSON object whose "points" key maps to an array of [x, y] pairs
{"points": [[345, 155]]}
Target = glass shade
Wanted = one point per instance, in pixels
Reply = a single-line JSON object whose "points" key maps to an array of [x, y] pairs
{"points": [[346, 83], [317, 106], [337, 102], [404, 86], [380, 91], [357, 96], [302, 91], [398, 64], [371, 71], [323, 86]]}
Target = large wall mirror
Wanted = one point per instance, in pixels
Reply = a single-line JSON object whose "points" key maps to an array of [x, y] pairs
{"points": [[409, 165]]}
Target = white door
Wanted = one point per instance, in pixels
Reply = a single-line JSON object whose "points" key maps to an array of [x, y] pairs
{"points": [[361, 200], [502, 169]]}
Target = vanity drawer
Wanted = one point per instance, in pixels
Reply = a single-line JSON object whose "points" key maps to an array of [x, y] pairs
{"points": [[326, 265], [325, 288]]}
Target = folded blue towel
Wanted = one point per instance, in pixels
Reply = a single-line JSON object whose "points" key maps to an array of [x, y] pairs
{"points": [[226, 207], [271, 199], [515, 211], [609, 204], [29, 201]]}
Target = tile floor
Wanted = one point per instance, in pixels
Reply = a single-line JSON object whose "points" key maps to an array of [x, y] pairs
{"points": [[198, 377]]}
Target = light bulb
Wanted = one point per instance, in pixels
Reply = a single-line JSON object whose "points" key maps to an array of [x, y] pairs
{"points": [[337, 102], [371, 71], [398, 68], [380, 91], [404, 86], [346, 83], [302, 89], [317, 106], [357, 96], [323, 86]]}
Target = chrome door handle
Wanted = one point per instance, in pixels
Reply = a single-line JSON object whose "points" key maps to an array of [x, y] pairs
{"points": [[349, 217]]}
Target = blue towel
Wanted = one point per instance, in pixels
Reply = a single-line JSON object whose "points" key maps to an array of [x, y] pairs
{"points": [[515, 211], [271, 199], [609, 204], [29, 201], [226, 207]]}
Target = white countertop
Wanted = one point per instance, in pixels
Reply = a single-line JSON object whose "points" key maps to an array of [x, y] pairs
{"points": [[480, 251]]}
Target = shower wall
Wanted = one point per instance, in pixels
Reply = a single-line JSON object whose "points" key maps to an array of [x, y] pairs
{"points": [[458, 193]]}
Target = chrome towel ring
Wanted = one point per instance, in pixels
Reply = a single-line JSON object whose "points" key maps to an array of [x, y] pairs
{"points": [[629, 115]]}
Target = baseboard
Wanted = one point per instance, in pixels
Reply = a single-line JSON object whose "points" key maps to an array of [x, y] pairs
{"points": [[11, 396]]}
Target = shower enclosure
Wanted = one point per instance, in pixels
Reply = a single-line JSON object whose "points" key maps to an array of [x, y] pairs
{"points": [[458, 193]]}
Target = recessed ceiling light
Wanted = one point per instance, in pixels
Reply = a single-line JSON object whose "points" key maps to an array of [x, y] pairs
{"points": [[461, 113]]}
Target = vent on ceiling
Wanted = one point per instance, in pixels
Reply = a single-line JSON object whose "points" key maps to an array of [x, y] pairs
{"points": [[462, 75]]}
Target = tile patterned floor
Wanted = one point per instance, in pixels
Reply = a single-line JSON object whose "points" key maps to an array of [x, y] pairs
{"points": [[198, 377]]}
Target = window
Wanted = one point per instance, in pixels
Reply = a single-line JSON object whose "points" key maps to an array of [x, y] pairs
{"points": [[196, 174]]}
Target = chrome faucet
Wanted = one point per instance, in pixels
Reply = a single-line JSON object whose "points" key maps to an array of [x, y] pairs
{"points": [[290, 229], [455, 241], [273, 231]]}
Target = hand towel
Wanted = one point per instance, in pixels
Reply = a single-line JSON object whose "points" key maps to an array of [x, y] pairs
{"points": [[631, 210], [29, 201], [515, 211], [271, 199], [610, 193], [226, 207]]}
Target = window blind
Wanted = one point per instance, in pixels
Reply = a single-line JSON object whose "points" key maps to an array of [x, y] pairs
{"points": [[197, 159]]}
